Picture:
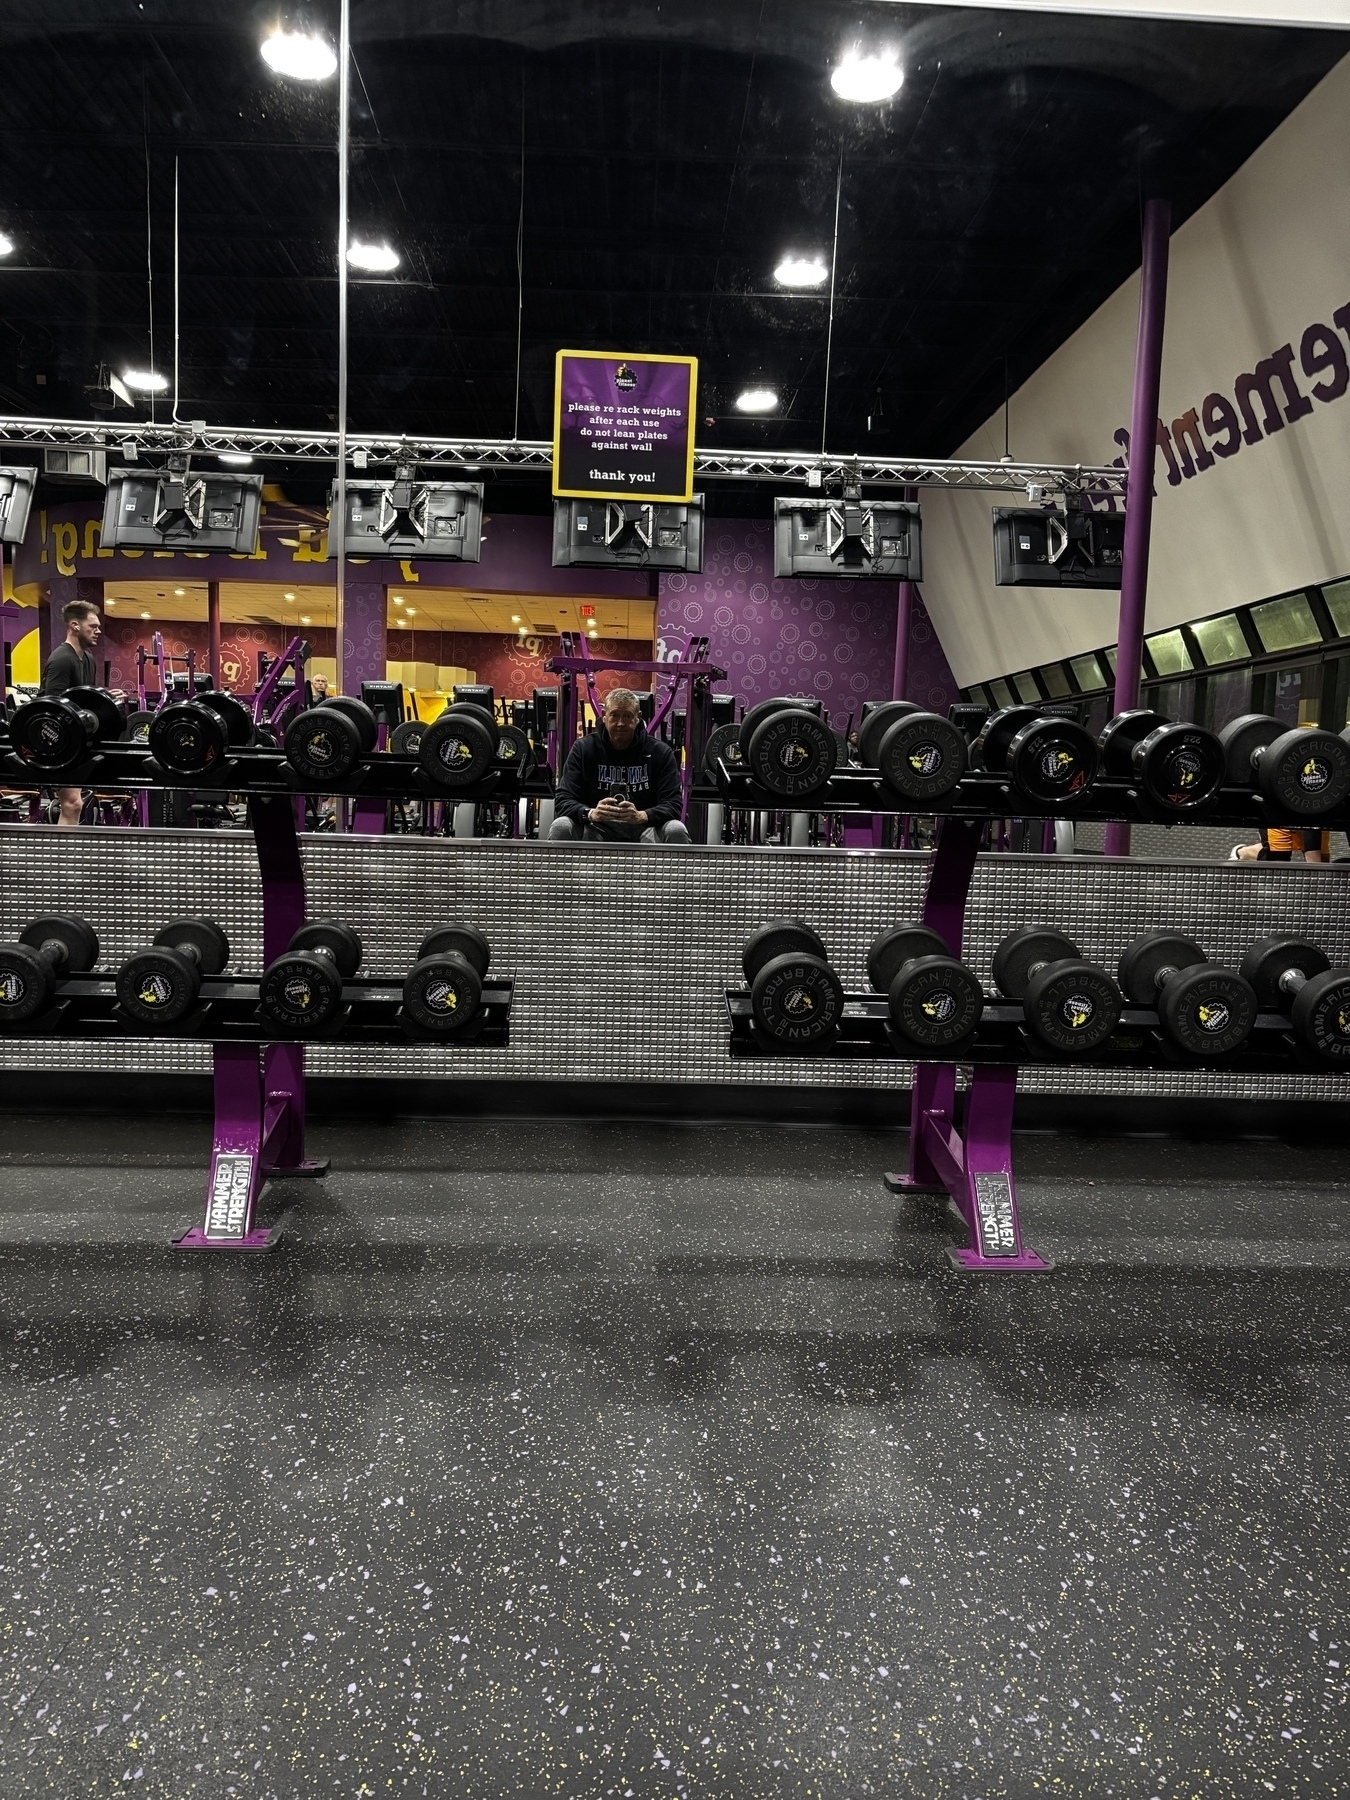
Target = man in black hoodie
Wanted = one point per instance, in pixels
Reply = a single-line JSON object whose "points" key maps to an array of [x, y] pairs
{"points": [[619, 784]]}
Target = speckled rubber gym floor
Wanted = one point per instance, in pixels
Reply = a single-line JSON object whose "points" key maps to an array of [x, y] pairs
{"points": [[671, 1460]]}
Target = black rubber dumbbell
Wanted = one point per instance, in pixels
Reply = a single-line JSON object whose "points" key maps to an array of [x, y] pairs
{"points": [[1304, 771], [1049, 760], [158, 987], [444, 987], [325, 743], [460, 748], [56, 732], [795, 996], [301, 992], [1291, 976], [193, 737], [919, 755], [935, 1001], [1070, 1006], [1179, 768], [48, 951], [1203, 1009], [787, 749]]}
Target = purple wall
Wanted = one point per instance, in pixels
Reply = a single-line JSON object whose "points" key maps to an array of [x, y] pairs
{"points": [[831, 640]]}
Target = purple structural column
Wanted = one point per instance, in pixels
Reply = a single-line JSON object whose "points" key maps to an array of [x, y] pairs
{"points": [[364, 634], [1139, 484], [213, 630]]}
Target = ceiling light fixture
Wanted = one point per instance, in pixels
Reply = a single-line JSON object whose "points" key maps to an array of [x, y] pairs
{"points": [[515, 618], [145, 615], [303, 55], [145, 381], [237, 459], [304, 618], [757, 400], [180, 590], [379, 259], [288, 596], [867, 79], [411, 610], [6, 244], [110, 601], [802, 271]]}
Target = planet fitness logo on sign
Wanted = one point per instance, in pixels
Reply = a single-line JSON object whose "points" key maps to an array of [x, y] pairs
{"points": [[623, 426]]}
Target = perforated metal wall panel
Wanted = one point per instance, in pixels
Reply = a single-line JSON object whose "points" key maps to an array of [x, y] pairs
{"points": [[620, 952]]}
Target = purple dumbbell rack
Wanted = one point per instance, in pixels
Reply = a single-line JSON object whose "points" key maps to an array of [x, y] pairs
{"points": [[973, 1167], [259, 1088]]}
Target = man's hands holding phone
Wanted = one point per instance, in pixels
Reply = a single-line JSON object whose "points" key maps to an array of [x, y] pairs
{"points": [[612, 811]]}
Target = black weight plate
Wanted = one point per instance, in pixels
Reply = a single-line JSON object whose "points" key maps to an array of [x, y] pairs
{"points": [[513, 749], [792, 753], [206, 938], [781, 937], [935, 1001], [110, 713], [137, 728], [323, 744], [922, 756], [1052, 762], [1242, 738], [367, 726], [757, 714], [1272, 957], [1142, 961], [339, 940], [460, 748], [723, 741], [27, 984], [1305, 772], [49, 735], [797, 1000], [156, 988], [187, 737], [1207, 1011], [890, 950], [1119, 737], [1320, 1015], [301, 992], [77, 938], [238, 719], [874, 726], [442, 993], [406, 737], [467, 940], [1023, 952], [991, 747], [1181, 767], [1071, 1007]]}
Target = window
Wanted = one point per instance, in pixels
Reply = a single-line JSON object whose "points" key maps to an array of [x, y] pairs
{"points": [[1055, 681], [1286, 624], [1221, 640], [1337, 596], [1173, 699], [1227, 697], [1000, 693], [1291, 695], [1169, 653], [1087, 672], [979, 696], [1110, 655], [1025, 687]]}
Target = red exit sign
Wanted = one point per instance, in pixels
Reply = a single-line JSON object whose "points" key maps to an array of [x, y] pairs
{"points": [[587, 612]]}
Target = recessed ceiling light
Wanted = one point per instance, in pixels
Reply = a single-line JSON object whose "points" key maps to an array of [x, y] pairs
{"points": [[110, 601], [757, 400], [145, 615], [398, 599], [146, 381], [288, 596], [180, 590], [515, 618], [378, 258], [802, 271], [237, 459], [867, 79], [303, 55], [304, 618], [6, 243], [411, 610]]}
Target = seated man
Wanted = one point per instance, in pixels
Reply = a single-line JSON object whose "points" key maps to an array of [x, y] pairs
{"points": [[619, 783]]}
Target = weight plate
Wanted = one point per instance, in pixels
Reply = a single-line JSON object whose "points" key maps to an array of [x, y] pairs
{"points": [[797, 1000], [187, 737], [723, 741], [1119, 737], [110, 713], [323, 744], [1272, 957], [206, 938], [367, 726], [1181, 767], [891, 950], [442, 993], [1052, 762], [49, 735], [513, 749], [757, 714], [137, 728], [406, 737], [1305, 772], [935, 1001], [782, 937], [156, 988], [1071, 1007], [466, 940], [1320, 1015], [1144, 960], [339, 940], [1021, 954], [1242, 738], [27, 984], [460, 748], [792, 753], [237, 717], [991, 746], [922, 757], [301, 992], [1207, 1011], [77, 939], [875, 725]]}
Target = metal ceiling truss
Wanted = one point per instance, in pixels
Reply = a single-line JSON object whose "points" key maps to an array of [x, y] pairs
{"points": [[482, 456]]}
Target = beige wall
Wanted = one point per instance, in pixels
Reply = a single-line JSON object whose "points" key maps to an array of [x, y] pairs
{"points": [[1267, 258]]}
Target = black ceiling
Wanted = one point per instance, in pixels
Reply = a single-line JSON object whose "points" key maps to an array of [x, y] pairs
{"points": [[671, 154]]}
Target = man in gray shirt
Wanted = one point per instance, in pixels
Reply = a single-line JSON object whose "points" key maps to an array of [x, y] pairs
{"points": [[71, 665]]}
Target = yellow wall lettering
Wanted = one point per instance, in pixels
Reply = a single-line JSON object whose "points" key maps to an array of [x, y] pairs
{"points": [[66, 541], [408, 574], [93, 536]]}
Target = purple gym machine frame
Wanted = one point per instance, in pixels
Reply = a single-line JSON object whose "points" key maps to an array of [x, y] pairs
{"points": [[972, 1167]]}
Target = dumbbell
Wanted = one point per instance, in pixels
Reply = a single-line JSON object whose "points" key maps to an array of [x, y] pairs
{"points": [[301, 992], [444, 988], [47, 953], [460, 747], [1049, 760], [56, 732], [1291, 976], [1305, 771], [1070, 1005], [1203, 1009], [325, 743], [194, 736], [919, 755], [159, 986], [1179, 768], [795, 996], [787, 748], [935, 1001]]}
